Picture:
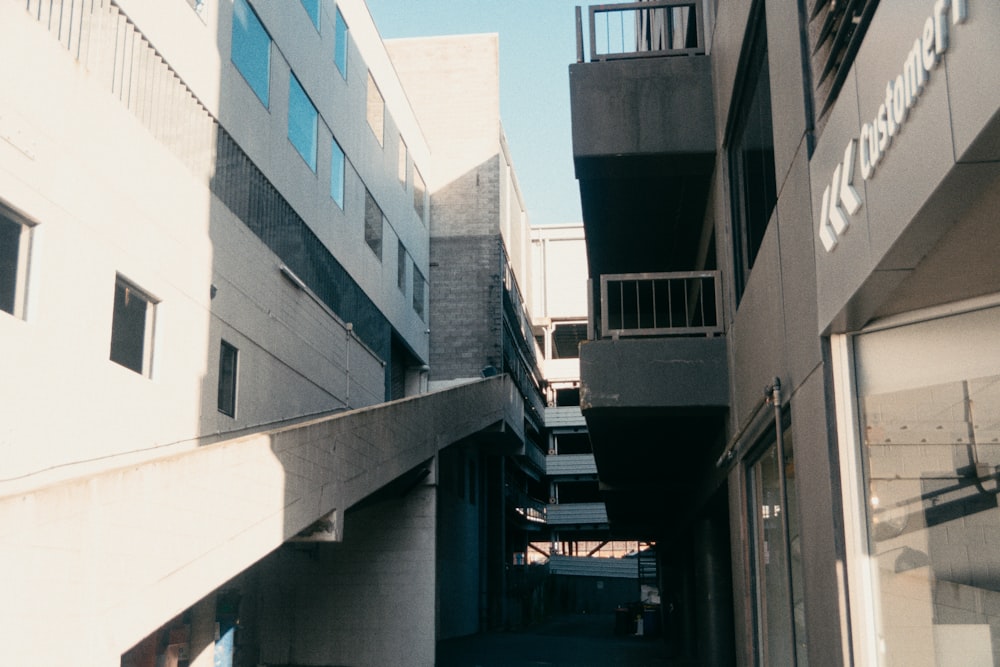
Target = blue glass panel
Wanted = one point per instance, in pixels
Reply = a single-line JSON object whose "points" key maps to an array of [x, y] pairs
{"points": [[251, 49], [302, 122], [312, 8], [340, 45], [337, 174]]}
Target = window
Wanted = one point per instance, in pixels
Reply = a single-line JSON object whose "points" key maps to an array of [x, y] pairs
{"points": [[927, 451], [750, 151], [312, 8], [419, 194], [302, 122], [132, 328], [337, 170], [376, 110], [228, 355], [566, 339], [401, 170], [340, 45], [418, 291], [373, 225], [775, 562], [14, 247], [401, 267], [251, 49]]}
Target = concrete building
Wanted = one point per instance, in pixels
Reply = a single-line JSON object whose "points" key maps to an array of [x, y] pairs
{"points": [[231, 434], [589, 569], [792, 378]]}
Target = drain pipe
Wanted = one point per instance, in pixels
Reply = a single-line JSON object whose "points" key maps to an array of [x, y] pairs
{"points": [[732, 448]]}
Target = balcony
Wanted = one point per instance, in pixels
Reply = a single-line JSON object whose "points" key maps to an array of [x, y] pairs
{"points": [[661, 304], [643, 126], [654, 390], [578, 516]]}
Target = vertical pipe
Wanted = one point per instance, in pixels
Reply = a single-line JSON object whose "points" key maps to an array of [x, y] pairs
{"points": [[638, 307], [670, 302], [779, 432], [579, 35]]}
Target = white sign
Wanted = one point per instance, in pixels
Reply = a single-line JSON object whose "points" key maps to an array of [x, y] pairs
{"points": [[840, 198]]}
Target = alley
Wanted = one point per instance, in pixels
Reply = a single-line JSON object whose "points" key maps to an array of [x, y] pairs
{"points": [[579, 640]]}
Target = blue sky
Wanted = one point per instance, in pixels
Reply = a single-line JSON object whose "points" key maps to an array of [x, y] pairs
{"points": [[537, 45]]}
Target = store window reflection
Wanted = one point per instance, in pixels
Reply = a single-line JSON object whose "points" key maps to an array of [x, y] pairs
{"points": [[776, 553], [929, 398]]}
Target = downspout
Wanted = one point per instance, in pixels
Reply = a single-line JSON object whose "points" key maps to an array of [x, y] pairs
{"points": [[779, 434]]}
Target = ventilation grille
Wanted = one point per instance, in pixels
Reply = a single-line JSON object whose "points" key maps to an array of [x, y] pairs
{"points": [[836, 29]]}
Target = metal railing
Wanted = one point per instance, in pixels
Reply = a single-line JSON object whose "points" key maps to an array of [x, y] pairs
{"points": [[642, 29], [661, 304], [532, 509]]}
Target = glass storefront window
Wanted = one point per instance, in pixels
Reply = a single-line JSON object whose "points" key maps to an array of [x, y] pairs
{"points": [[776, 553], [929, 412]]}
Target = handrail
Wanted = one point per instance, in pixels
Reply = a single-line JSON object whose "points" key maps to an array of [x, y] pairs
{"points": [[653, 28], [679, 303]]}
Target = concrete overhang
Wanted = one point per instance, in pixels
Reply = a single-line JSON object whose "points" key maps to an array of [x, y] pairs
{"points": [[644, 153], [643, 106], [655, 409], [672, 374]]}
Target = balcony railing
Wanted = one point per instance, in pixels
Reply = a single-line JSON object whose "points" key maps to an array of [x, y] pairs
{"points": [[661, 304], [642, 29], [532, 509]]}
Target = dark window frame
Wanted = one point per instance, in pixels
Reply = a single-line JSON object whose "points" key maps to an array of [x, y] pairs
{"points": [[229, 364], [15, 259], [750, 152], [374, 225], [132, 327]]}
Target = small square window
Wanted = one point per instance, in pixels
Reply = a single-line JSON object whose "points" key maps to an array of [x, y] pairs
{"points": [[340, 45], [373, 225], [419, 195], [312, 9], [376, 110], [228, 357], [303, 122], [14, 252], [401, 171], [338, 168], [401, 267], [419, 284], [132, 328]]}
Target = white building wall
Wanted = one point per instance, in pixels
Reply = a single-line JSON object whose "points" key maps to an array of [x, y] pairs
{"points": [[105, 197]]}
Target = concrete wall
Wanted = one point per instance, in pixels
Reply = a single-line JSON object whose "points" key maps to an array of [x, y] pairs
{"points": [[368, 600], [110, 557], [465, 306], [770, 333], [943, 160]]}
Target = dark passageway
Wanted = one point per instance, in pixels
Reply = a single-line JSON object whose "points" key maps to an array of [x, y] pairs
{"points": [[577, 640]]}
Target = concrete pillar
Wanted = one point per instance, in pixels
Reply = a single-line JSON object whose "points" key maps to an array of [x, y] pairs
{"points": [[714, 604], [202, 640]]}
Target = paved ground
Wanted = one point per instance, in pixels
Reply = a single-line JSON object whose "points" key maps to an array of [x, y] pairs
{"points": [[582, 640]]}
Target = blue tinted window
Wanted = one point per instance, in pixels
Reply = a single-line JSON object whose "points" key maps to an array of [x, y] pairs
{"points": [[302, 122], [251, 49], [337, 168], [312, 8], [340, 45]]}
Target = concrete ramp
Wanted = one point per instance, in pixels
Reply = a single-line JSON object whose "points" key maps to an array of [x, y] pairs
{"points": [[92, 565]]}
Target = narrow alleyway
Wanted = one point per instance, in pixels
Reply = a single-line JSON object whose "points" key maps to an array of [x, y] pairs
{"points": [[578, 640]]}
